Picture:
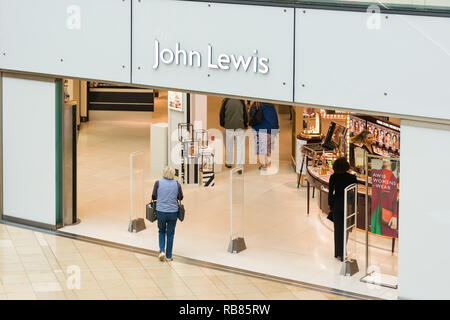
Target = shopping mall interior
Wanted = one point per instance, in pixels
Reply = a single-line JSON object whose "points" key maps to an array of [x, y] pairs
{"points": [[281, 214]]}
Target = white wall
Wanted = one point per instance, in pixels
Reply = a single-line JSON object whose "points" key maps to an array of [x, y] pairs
{"points": [[341, 62], [29, 149], [424, 223], [91, 37]]}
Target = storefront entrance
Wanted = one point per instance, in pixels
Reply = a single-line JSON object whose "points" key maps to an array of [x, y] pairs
{"points": [[282, 239]]}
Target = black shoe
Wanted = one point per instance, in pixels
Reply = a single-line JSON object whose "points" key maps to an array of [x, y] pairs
{"points": [[240, 171], [228, 166]]}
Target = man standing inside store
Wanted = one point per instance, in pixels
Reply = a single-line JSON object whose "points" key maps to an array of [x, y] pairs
{"points": [[234, 119]]}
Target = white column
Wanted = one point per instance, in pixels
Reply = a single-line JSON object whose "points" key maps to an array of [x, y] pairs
{"points": [[29, 153], [199, 112], [424, 211], [158, 147]]}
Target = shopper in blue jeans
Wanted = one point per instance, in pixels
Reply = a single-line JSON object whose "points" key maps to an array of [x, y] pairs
{"points": [[167, 192]]}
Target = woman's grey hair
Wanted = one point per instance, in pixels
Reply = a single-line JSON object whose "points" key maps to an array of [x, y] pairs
{"points": [[169, 173]]}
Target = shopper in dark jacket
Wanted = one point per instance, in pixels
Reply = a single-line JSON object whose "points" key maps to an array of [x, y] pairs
{"points": [[339, 180], [265, 132], [167, 192], [234, 119]]}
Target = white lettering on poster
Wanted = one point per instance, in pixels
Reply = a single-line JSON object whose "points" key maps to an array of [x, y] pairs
{"points": [[221, 61]]}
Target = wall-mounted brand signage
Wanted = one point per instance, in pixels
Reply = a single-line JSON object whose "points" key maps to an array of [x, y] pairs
{"points": [[221, 61], [236, 56]]}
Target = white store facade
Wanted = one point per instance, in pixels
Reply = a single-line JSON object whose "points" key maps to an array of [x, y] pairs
{"points": [[305, 56]]}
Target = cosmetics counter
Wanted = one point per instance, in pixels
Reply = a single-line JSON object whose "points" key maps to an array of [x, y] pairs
{"points": [[319, 157]]}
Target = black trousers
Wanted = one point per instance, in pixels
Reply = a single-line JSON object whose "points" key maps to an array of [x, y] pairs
{"points": [[338, 220]]}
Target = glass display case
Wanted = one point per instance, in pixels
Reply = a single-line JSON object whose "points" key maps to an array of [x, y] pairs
{"points": [[185, 131], [202, 137]]}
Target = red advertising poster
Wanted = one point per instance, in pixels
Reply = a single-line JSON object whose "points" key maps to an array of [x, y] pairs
{"points": [[384, 210]]}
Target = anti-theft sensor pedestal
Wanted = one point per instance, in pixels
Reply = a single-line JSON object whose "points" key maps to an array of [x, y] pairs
{"points": [[349, 267], [237, 245]]}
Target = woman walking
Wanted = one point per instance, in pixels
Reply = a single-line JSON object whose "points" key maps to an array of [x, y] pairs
{"points": [[167, 192], [264, 131]]}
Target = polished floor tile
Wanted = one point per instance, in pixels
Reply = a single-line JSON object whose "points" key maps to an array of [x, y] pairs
{"points": [[113, 277], [251, 296], [243, 288], [90, 294], [21, 296], [149, 293], [51, 296]]}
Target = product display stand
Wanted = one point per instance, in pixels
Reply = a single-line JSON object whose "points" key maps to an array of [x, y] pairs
{"points": [[207, 175], [206, 156], [190, 162], [196, 157], [349, 265], [185, 133], [237, 242], [376, 273]]}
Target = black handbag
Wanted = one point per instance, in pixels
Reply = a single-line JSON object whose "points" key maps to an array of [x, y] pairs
{"points": [[330, 216], [180, 211], [256, 116], [150, 211]]}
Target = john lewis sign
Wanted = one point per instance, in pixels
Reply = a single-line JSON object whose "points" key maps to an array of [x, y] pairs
{"points": [[220, 61], [227, 49]]}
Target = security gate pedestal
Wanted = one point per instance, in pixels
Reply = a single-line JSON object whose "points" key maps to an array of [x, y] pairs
{"points": [[237, 242], [136, 225], [349, 267], [137, 206], [237, 245]]}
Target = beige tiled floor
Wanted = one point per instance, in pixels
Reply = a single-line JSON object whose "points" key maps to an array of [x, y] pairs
{"points": [[35, 265]]}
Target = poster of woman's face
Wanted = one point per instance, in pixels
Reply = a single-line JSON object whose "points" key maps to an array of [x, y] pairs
{"points": [[375, 134], [352, 127], [391, 165], [370, 128], [356, 127], [382, 134], [362, 126], [388, 139], [394, 141]]}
